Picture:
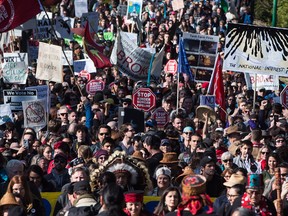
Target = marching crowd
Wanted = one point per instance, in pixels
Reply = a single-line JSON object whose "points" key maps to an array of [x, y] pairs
{"points": [[102, 167]]}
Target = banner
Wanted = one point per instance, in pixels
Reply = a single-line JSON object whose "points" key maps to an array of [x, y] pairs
{"points": [[201, 52], [5, 114], [15, 98], [269, 82], [81, 7], [34, 113], [133, 61], [15, 12], [44, 29], [49, 65], [134, 9], [63, 27], [93, 20], [15, 72], [256, 49]]}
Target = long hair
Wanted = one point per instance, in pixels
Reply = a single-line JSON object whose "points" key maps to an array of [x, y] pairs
{"points": [[113, 198], [161, 208], [20, 179]]}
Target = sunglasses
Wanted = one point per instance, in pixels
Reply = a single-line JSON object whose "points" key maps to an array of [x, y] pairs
{"points": [[264, 152], [284, 174], [280, 140], [188, 133], [229, 160], [62, 114], [102, 134]]}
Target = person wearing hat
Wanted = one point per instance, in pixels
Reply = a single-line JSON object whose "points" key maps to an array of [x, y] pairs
{"points": [[134, 204], [186, 138], [165, 146], [208, 170], [195, 201], [59, 174], [81, 198], [224, 202], [253, 199], [101, 156], [170, 160], [163, 180]]}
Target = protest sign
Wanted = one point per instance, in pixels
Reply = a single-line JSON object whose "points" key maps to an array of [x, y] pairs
{"points": [[5, 114], [207, 100], [95, 85], [201, 52], [84, 64], [69, 55], [133, 61], [44, 29], [15, 72], [43, 92], [177, 5], [49, 65], [34, 114], [269, 82], [63, 27], [15, 97], [33, 47], [93, 20], [134, 9], [30, 24], [121, 10], [16, 57], [256, 49], [81, 7]]}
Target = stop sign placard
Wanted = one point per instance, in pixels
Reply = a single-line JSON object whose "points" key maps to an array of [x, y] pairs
{"points": [[85, 74], [144, 99], [171, 66], [284, 97], [95, 85], [161, 117]]}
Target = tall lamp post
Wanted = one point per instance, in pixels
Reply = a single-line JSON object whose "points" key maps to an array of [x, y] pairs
{"points": [[274, 13]]}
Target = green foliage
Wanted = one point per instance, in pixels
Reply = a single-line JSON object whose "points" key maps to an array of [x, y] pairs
{"points": [[264, 9]]}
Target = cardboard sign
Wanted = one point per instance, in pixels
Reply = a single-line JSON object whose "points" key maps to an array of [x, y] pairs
{"points": [[207, 100], [49, 65], [63, 27], [15, 97], [16, 57], [269, 82], [69, 55], [177, 5], [15, 72], [34, 114]]}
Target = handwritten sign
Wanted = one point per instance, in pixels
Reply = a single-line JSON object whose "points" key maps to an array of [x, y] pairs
{"points": [[16, 57], [34, 113], [15, 72], [49, 65], [44, 23]]}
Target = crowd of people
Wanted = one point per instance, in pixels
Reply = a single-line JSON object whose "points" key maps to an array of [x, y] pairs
{"points": [[102, 167]]}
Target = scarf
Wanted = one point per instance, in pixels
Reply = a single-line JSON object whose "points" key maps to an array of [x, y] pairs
{"points": [[261, 209], [196, 204]]}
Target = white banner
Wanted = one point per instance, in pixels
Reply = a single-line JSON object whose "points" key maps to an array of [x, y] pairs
{"points": [[34, 113], [134, 61], [269, 82], [63, 27], [49, 65], [81, 7], [256, 49], [84, 64], [15, 72], [15, 97], [5, 114]]}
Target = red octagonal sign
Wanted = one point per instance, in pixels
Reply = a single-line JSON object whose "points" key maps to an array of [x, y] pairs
{"points": [[144, 99]]}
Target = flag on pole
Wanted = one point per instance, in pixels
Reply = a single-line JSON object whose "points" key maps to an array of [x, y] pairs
{"points": [[216, 87], [15, 12], [95, 51], [183, 65]]}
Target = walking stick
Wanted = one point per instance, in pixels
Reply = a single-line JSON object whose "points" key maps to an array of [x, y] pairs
{"points": [[278, 188]]}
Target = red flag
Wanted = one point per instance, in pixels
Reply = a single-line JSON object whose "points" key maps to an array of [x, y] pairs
{"points": [[94, 51], [15, 12], [216, 87]]}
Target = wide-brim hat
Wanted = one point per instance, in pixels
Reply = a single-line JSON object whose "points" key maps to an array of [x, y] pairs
{"points": [[8, 199], [138, 155], [237, 128], [234, 180], [234, 147], [170, 158], [205, 109], [193, 185], [187, 171]]}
